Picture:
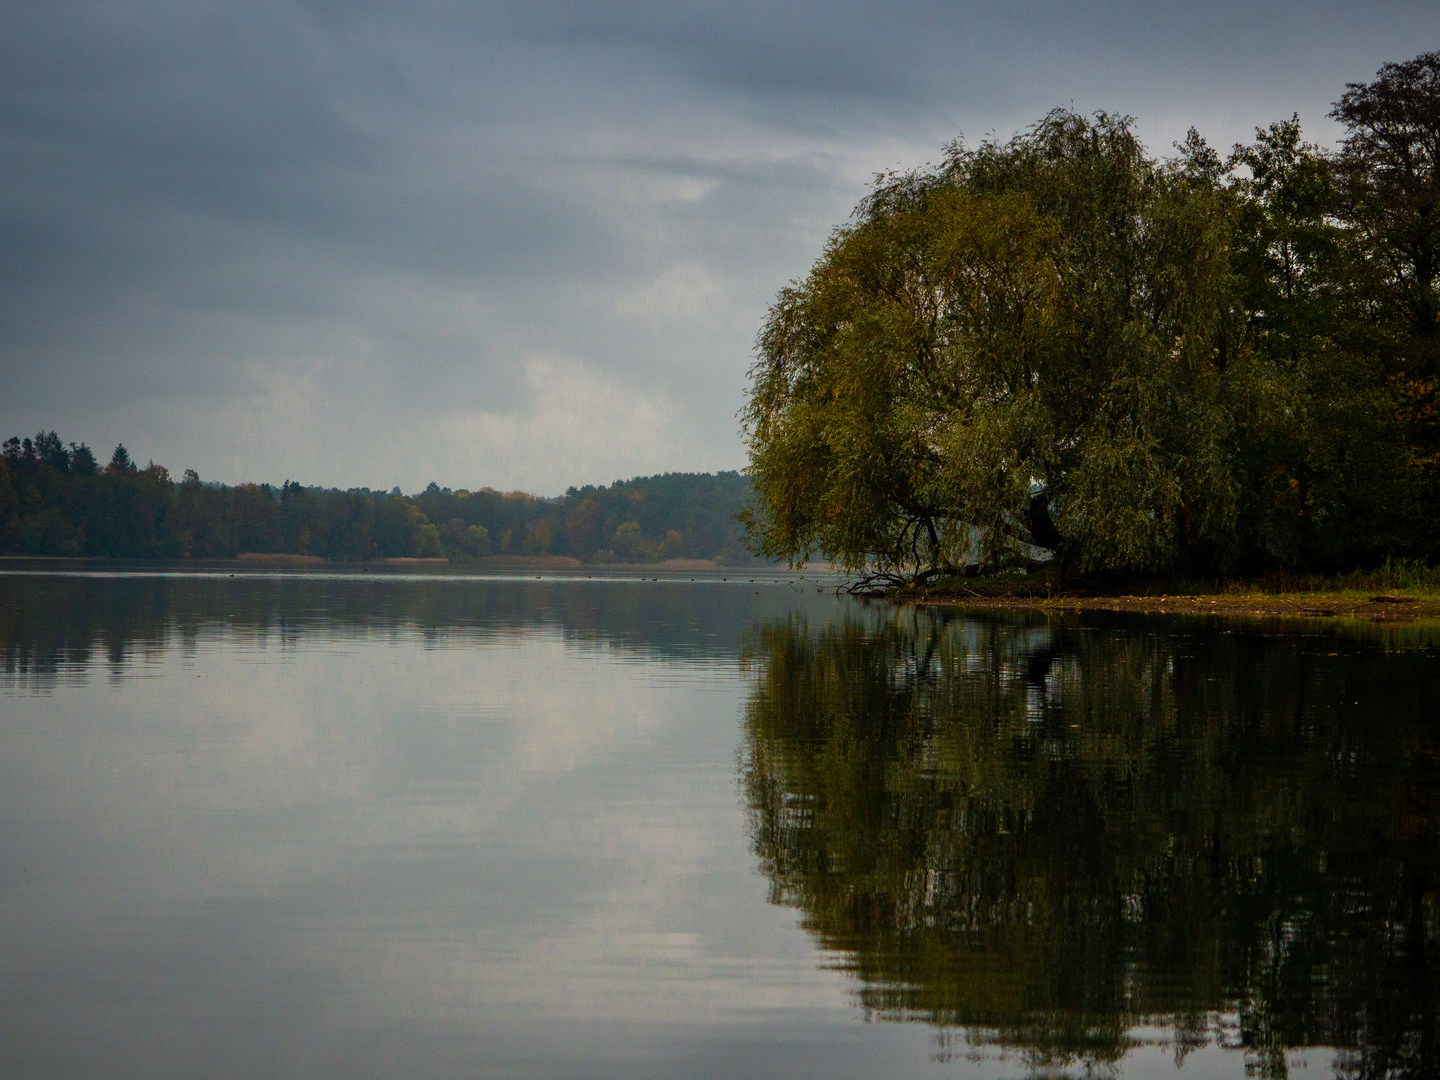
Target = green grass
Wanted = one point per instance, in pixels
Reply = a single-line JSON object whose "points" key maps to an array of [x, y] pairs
{"points": [[1404, 577]]}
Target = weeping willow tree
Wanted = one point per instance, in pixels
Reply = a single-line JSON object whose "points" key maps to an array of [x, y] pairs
{"points": [[1017, 355]]}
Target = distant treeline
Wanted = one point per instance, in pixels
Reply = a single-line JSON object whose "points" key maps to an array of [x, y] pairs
{"points": [[56, 500]]}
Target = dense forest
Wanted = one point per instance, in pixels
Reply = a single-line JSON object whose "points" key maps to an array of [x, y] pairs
{"points": [[1061, 350], [56, 500]]}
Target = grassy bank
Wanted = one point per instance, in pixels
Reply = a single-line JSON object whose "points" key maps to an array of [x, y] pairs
{"points": [[1396, 591]]}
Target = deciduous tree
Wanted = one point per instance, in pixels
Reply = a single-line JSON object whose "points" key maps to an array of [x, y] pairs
{"points": [[1012, 356]]}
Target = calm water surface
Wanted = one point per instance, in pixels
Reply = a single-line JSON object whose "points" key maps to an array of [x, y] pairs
{"points": [[310, 826]]}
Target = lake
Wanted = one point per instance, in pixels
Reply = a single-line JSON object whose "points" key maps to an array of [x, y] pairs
{"points": [[299, 825]]}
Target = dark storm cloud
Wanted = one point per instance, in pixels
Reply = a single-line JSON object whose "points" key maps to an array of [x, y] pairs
{"points": [[274, 239]]}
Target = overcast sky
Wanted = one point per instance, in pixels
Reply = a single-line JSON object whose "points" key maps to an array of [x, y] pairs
{"points": [[523, 245]]}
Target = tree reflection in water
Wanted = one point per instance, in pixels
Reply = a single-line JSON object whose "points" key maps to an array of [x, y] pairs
{"points": [[1047, 834]]}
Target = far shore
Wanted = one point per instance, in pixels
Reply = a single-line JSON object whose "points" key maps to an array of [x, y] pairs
{"points": [[503, 564]]}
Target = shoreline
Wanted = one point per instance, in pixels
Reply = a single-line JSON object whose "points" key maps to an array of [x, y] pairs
{"points": [[251, 561], [502, 565], [1386, 607]]}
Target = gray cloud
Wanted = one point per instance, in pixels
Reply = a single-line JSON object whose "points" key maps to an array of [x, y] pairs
{"points": [[524, 245]]}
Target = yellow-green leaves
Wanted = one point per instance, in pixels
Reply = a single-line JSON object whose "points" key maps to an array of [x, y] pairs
{"points": [[1000, 359]]}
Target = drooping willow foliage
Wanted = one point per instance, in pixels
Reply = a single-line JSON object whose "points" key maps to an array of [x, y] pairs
{"points": [[1061, 346]]}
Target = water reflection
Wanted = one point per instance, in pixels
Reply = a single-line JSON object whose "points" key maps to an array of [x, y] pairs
{"points": [[433, 827], [52, 625], [1051, 836], [408, 828]]}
